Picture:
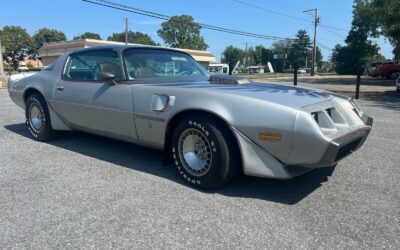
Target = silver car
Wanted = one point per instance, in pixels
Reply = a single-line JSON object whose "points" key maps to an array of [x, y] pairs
{"points": [[210, 128]]}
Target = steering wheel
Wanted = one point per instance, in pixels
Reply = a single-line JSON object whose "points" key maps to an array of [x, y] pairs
{"points": [[185, 73]]}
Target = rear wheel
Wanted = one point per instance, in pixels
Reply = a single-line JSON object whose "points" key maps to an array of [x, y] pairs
{"points": [[38, 118], [205, 152]]}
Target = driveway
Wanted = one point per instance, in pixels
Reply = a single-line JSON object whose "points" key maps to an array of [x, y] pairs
{"points": [[85, 191]]}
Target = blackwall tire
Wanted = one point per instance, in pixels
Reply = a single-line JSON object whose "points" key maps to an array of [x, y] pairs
{"points": [[205, 152], [38, 118]]}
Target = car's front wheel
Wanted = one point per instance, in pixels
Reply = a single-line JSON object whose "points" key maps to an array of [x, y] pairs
{"points": [[38, 118], [205, 152]]}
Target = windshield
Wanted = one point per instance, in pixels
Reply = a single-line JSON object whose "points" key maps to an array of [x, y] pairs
{"points": [[160, 64]]}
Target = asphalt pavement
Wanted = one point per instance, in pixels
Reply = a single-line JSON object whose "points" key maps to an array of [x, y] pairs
{"points": [[85, 191]]}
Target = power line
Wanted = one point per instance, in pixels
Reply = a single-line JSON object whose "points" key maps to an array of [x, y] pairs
{"points": [[126, 8], [332, 32], [273, 12], [333, 27], [118, 6]]}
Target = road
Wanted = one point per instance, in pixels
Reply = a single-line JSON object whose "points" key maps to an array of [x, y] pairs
{"points": [[85, 191]]}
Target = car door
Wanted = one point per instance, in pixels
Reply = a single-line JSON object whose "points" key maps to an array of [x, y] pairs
{"points": [[87, 103]]}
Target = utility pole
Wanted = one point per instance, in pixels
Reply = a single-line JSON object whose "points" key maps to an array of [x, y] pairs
{"points": [[126, 31], [1, 59], [314, 54]]}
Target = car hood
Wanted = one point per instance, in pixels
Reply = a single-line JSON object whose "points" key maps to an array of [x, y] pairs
{"points": [[295, 97]]}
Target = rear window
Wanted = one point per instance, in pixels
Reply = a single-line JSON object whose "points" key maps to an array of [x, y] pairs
{"points": [[87, 66]]}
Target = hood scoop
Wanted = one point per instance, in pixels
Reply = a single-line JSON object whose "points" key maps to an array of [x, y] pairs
{"points": [[228, 79]]}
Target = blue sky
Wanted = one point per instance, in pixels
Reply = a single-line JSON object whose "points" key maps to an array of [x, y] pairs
{"points": [[74, 17]]}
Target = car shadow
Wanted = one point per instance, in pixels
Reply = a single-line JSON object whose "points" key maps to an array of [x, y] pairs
{"points": [[387, 99], [151, 161]]}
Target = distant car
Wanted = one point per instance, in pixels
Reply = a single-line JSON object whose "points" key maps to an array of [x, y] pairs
{"points": [[23, 68], [302, 71], [210, 127], [398, 83], [288, 70]]}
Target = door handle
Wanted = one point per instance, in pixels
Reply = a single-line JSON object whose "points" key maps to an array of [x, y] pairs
{"points": [[60, 88]]}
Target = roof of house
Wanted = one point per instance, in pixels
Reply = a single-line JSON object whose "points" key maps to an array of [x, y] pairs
{"points": [[59, 48]]}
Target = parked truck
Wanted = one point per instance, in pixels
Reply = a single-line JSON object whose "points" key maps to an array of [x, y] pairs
{"points": [[389, 70]]}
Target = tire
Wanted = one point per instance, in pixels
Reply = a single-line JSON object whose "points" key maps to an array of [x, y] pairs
{"points": [[205, 152], [38, 118], [391, 76]]}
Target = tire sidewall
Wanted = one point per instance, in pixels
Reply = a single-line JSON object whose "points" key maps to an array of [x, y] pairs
{"points": [[216, 175], [44, 131]]}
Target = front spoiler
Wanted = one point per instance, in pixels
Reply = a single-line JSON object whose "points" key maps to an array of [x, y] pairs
{"points": [[257, 162], [343, 146]]}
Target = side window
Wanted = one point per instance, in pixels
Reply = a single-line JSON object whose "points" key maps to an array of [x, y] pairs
{"points": [[87, 66]]}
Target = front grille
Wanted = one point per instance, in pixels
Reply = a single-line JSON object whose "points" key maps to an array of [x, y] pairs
{"points": [[348, 149]]}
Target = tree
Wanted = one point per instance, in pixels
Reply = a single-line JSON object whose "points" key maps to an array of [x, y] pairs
{"points": [[359, 50], [182, 32], [261, 55], [387, 18], [133, 37], [318, 58], [301, 50], [335, 52], [45, 35], [231, 56], [17, 43], [88, 35], [281, 48]]}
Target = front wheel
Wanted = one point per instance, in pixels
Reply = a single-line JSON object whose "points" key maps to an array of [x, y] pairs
{"points": [[205, 152], [38, 118]]}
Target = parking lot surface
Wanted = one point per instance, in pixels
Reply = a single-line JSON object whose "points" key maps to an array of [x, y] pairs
{"points": [[85, 191]]}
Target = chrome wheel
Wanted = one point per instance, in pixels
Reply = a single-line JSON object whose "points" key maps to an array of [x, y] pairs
{"points": [[36, 117], [195, 152]]}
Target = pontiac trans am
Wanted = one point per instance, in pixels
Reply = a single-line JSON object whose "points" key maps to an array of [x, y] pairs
{"points": [[210, 127]]}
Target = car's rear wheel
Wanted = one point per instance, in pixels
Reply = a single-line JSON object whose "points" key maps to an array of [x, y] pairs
{"points": [[205, 152], [38, 118]]}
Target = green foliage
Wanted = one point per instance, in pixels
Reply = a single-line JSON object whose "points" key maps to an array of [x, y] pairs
{"points": [[182, 32], [359, 50], [261, 55], [231, 56], [301, 49], [387, 17], [319, 58], [30, 65], [45, 35], [17, 43], [88, 35], [335, 52], [282, 47], [133, 37]]}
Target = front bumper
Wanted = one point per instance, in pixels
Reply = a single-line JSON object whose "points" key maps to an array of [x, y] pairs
{"points": [[258, 162], [345, 144]]}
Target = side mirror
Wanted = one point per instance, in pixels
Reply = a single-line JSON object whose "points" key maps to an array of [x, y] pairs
{"points": [[108, 77]]}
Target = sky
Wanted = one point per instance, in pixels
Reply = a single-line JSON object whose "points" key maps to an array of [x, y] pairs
{"points": [[281, 18]]}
